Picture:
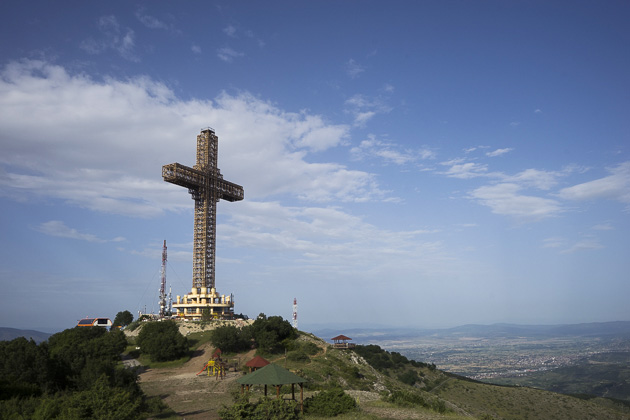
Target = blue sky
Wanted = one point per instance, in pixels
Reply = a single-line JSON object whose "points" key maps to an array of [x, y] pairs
{"points": [[423, 164]]}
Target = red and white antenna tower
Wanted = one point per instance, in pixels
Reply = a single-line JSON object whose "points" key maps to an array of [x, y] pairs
{"points": [[163, 285], [295, 324]]}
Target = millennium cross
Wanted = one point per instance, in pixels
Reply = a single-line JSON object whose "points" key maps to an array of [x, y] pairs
{"points": [[206, 185]]}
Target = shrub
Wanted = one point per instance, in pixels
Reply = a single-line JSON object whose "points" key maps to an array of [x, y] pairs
{"points": [[264, 409], [329, 403], [270, 333], [162, 341], [229, 339], [298, 356], [409, 377]]}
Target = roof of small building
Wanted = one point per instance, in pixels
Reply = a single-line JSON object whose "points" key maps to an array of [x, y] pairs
{"points": [[271, 374], [341, 337], [257, 362]]}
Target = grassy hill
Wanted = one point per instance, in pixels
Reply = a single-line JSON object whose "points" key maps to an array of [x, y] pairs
{"points": [[386, 385]]}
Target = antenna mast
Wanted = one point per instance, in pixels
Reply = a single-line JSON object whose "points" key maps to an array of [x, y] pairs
{"points": [[295, 324], [163, 285]]}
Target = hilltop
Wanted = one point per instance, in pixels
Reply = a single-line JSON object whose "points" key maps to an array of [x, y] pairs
{"points": [[7, 334], [387, 385]]}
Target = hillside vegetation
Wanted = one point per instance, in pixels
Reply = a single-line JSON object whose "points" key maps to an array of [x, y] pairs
{"points": [[78, 374], [385, 384]]}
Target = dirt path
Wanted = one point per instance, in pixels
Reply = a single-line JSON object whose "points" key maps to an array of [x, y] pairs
{"points": [[190, 395]]}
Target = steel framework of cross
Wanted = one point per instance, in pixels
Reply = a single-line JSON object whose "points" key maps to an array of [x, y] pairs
{"points": [[207, 186]]}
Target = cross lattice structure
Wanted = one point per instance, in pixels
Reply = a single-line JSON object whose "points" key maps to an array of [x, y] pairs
{"points": [[207, 186]]}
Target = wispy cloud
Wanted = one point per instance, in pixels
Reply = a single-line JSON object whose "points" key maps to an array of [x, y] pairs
{"points": [[616, 186], [459, 168], [59, 229], [365, 108], [603, 226], [584, 244], [353, 69], [499, 152], [149, 21], [389, 152], [230, 31], [506, 199], [113, 37], [196, 49], [228, 55]]}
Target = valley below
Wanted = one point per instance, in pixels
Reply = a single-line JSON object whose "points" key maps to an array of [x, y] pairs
{"points": [[587, 359]]}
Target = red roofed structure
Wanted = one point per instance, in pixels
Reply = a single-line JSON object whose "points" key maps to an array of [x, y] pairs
{"points": [[341, 342], [256, 363]]}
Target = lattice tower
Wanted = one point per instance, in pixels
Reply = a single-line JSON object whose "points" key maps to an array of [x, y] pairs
{"points": [[206, 186]]}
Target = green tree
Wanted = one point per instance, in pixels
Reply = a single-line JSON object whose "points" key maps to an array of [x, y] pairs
{"points": [[162, 341], [24, 368], [123, 319], [269, 333], [229, 339], [81, 355]]}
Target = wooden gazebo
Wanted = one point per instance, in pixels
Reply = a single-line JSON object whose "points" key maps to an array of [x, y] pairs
{"points": [[341, 342], [273, 375]]}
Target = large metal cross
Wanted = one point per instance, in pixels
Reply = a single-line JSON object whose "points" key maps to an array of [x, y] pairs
{"points": [[206, 185]]}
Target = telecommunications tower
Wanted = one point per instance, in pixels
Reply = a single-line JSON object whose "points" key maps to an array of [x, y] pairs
{"points": [[295, 324], [163, 307]]}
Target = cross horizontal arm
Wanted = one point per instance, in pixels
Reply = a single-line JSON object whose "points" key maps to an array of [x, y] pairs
{"points": [[194, 179], [183, 175]]}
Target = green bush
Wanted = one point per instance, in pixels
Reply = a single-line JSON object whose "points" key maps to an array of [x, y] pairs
{"points": [[409, 377], [228, 338], [329, 403], [298, 356], [264, 409], [272, 334], [310, 348], [162, 341]]}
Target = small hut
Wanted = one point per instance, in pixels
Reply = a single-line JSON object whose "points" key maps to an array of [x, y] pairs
{"points": [[274, 375], [256, 363], [341, 342]]}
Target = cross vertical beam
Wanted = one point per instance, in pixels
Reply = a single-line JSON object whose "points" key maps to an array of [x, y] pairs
{"points": [[206, 186]]}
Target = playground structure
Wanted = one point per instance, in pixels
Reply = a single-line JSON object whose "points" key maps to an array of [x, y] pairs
{"points": [[216, 366]]}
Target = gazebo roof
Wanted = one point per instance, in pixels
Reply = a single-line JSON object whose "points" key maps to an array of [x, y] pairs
{"points": [[271, 374], [341, 337], [257, 362]]}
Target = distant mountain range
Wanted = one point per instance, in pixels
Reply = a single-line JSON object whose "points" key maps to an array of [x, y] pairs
{"points": [[8, 334], [593, 329]]}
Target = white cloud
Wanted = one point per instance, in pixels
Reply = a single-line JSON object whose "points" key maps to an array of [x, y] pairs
{"points": [[543, 180], [613, 187], [458, 168], [603, 226], [505, 199], [364, 108], [584, 244], [499, 152], [228, 55], [353, 69], [389, 152], [101, 145], [196, 49], [59, 229], [149, 21], [330, 240], [113, 37], [230, 31]]}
